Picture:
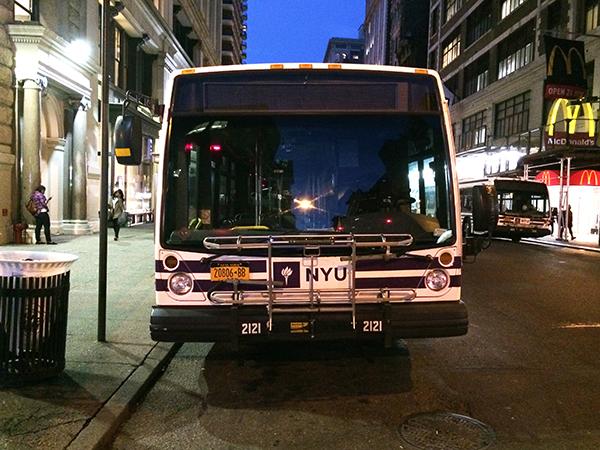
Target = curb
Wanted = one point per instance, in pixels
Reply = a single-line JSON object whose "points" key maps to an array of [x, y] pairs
{"points": [[99, 431], [559, 244]]}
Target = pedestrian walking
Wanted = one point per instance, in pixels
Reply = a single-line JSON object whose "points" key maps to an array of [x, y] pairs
{"points": [[40, 211], [570, 222], [117, 212]]}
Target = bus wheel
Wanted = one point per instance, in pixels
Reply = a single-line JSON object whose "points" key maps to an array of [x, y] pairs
{"points": [[516, 239], [485, 244]]}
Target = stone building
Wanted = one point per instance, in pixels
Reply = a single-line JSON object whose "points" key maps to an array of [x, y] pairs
{"points": [[7, 156], [57, 86]]}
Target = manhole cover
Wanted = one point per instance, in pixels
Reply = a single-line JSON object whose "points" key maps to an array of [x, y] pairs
{"points": [[446, 431]]}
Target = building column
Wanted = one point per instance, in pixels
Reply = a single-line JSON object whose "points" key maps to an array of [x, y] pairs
{"points": [[30, 142], [78, 221]]}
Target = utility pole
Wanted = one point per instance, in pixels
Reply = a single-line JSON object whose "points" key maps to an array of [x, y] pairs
{"points": [[103, 176]]}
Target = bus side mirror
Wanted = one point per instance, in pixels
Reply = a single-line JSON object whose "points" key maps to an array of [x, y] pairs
{"points": [[485, 209], [128, 140]]}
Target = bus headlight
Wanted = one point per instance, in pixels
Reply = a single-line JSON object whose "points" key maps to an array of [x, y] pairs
{"points": [[181, 283], [437, 279]]}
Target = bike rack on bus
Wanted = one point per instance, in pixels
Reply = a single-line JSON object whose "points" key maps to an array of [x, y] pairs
{"points": [[311, 245]]}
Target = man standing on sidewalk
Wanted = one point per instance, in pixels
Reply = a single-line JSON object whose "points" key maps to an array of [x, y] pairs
{"points": [[42, 219]]}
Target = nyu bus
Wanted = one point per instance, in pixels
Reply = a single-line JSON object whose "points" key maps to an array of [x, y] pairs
{"points": [[306, 201]]}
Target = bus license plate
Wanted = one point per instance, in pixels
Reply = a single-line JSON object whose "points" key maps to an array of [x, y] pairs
{"points": [[229, 271]]}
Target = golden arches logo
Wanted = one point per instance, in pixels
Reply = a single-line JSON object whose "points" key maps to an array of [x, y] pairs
{"points": [[588, 175], [546, 177], [567, 58], [571, 115]]}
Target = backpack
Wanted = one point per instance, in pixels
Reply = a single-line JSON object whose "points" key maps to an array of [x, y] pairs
{"points": [[30, 206]]}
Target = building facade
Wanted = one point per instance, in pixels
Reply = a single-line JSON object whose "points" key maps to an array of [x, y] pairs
{"points": [[407, 41], [375, 29], [7, 154], [345, 51], [492, 58], [57, 85], [393, 32]]}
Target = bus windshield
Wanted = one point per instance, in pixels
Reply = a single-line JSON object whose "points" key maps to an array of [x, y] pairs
{"points": [[306, 172], [522, 198]]}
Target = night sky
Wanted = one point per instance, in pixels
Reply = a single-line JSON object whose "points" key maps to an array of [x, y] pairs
{"points": [[298, 30]]}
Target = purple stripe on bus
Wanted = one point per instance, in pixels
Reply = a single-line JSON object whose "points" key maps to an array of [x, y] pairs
{"points": [[192, 266], [361, 283], [402, 264], [362, 266]]}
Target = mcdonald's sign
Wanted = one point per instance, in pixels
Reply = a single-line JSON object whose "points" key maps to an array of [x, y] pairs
{"points": [[587, 177], [565, 69], [578, 122], [548, 177]]}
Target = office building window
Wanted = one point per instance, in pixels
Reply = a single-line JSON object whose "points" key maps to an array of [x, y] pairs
{"points": [[433, 56], [512, 116], [592, 8], [479, 22], [476, 76], [473, 131], [451, 50], [509, 6], [118, 66], [516, 51], [435, 19], [515, 61], [452, 7]]}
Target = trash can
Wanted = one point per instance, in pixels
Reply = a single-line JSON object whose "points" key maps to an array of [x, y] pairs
{"points": [[34, 299]]}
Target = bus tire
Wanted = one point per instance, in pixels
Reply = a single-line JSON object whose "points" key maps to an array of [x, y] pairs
{"points": [[516, 239]]}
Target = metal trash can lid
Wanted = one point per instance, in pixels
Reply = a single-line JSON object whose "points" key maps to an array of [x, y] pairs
{"points": [[35, 264]]}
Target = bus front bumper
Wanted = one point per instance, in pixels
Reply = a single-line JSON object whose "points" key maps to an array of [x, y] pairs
{"points": [[220, 323]]}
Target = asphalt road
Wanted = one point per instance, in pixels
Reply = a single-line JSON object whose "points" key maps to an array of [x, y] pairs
{"points": [[528, 368]]}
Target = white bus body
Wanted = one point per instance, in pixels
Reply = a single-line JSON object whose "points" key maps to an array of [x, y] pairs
{"points": [[307, 201]]}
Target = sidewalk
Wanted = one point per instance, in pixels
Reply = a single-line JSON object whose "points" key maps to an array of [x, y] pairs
{"points": [[551, 240], [79, 408]]}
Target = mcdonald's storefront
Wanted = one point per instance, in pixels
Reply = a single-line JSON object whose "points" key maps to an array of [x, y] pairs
{"points": [[583, 196], [571, 147]]}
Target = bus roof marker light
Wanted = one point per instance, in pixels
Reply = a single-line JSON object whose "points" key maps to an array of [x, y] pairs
{"points": [[334, 66], [276, 66], [306, 66]]}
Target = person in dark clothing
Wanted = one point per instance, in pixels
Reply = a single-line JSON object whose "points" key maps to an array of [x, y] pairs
{"points": [[42, 219], [116, 212], [570, 222], [553, 219]]}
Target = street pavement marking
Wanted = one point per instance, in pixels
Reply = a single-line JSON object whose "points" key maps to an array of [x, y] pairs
{"points": [[580, 325]]}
